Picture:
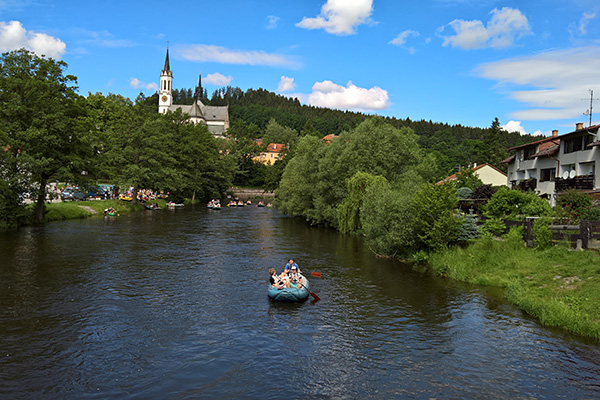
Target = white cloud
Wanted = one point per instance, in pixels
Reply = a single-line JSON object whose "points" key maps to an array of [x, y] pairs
{"points": [[286, 84], [401, 38], [14, 36], [351, 97], [502, 29], [208, 53], [340, 17], [217, 79], [137, 84], [555, 83], [581, 27], [514, 126], [272, 22]]}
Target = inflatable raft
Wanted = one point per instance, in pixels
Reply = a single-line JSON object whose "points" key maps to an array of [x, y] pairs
{"points": [[290, 294]]}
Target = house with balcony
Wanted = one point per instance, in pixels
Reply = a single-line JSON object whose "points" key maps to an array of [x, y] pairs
{"points": [[558, 163]]}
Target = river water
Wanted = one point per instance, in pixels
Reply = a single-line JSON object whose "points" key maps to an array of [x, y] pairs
{"points": [[173, 305]]}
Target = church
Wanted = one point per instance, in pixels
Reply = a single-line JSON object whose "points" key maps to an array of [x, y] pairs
{"points": [[216, 118]]}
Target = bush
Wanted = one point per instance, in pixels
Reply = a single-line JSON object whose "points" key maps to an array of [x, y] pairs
{"points": [[435, 224], [469, 229], [494, 226], [484, 192], [542, 233], [591, 214], [572, 204], [464, 193], [514, 204]]}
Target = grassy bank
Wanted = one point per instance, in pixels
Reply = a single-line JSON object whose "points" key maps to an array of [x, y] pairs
{"points": [[558, 286], [72, 210]]}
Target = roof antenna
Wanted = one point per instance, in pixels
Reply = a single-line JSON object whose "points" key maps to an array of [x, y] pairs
{"points": [[590, 110]]}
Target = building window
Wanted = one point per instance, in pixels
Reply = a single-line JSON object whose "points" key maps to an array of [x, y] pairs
{"points": [[547, 175], [528, 152], [572, 145]]}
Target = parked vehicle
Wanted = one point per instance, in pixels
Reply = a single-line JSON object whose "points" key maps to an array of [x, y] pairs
{"points": [[72, 193]]}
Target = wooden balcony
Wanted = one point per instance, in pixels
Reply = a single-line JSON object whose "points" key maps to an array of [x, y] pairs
{"points": [[527, 184], [582, 182]]}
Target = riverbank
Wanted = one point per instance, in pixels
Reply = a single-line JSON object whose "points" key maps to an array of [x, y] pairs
{"points": [[558, 286], [86, 209]]}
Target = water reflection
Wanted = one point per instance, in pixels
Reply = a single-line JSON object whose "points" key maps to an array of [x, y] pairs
{"points": [[173, 305]]}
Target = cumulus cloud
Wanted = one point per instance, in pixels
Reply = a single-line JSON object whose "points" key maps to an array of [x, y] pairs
{"points": [[217, 79], [137, 84], [211, 53], [14, 36], [349, 97], [272, 22], [553, 84], [503, 28], [286, 84], [340, 17], [400, 40]]}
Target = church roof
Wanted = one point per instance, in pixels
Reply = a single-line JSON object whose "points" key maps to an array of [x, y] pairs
{"points": [[209, 113]]}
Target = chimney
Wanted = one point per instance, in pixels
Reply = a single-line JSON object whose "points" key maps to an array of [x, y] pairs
{"points": [[555, 133], [579, 126]]}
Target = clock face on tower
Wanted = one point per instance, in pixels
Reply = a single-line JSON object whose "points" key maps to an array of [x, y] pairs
{"points": [[164, 99]]}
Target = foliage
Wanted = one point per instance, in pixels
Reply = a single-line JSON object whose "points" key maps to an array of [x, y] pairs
{"points": [[464, 193], [314, 182], [12, 211], [40, 124], [591, 214], [483, 192], [467, 178], [348, 212], [386, 217], [571, 204], [469, 229], [435, 222], [542, 233], [514, 204], [494, 226], [275, 133]]}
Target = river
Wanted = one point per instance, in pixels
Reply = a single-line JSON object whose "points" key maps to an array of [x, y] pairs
{"points": [[172, 304]]}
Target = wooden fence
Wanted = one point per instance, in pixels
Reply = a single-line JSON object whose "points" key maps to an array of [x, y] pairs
{"points": [[586, 235]]}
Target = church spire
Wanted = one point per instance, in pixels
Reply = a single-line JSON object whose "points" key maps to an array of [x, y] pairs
{"points": [[167, 66], [198, 94]]}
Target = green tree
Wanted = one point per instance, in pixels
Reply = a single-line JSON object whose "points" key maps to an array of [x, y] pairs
{"points": [[40, 126], [348, 212], [435, 221]]}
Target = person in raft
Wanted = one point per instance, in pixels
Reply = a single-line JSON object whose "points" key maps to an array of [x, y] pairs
{"points": [[291, 264], [274, 279], [295, 277]]}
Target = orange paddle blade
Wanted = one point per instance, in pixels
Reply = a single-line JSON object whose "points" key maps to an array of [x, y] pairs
{"points": [[316, 274]]}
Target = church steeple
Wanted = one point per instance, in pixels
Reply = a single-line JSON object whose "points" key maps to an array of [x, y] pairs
{"points": [[166, 87], [198, 93], [167, 67]]}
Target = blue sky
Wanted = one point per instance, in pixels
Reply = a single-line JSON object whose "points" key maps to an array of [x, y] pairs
{"points": [[529, 63]]}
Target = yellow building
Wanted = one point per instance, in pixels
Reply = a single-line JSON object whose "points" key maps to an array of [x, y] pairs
{"points": [[274, 152]]}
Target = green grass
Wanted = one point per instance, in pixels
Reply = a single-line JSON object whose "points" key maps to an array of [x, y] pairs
{"points": [[72, 210], [558, 286]]}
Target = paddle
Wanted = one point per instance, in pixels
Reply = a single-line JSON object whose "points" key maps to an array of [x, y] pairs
{"points": [[316, 274]]}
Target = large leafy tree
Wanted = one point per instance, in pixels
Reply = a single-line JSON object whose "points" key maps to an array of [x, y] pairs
{"points": [[41, 133]]}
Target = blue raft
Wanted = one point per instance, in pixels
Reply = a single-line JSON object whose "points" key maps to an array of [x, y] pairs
{"points": [[290, 294]]}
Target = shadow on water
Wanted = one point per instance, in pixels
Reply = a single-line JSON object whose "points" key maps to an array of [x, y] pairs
{"points": [[173, 304]]}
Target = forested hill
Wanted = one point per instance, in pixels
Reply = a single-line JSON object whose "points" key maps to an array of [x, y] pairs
{"points": [[454, 145]]}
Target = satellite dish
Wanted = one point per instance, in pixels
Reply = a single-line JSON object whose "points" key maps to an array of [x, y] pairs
{"points": [[572, 174], [566, 175]]}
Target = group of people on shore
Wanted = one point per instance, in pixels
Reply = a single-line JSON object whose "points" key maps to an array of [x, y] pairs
{"points": [[290, 277]]}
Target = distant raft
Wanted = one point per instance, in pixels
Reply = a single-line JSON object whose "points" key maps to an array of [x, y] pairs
{"points": [[290, 294]]}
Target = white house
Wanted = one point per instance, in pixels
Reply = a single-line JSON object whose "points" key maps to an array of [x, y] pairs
{"points": [[558, 163]]}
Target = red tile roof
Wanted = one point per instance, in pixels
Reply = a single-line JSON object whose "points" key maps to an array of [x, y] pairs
{"points": [[275, 147]]}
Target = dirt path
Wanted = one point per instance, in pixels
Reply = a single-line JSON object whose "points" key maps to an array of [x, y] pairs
{"points": [[90, 209]]}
